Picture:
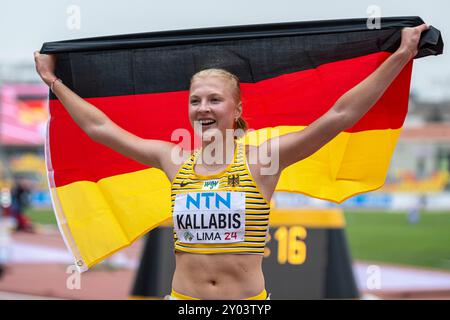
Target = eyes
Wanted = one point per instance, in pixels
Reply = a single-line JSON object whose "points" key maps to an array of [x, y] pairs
{"points": [[213, 100]]}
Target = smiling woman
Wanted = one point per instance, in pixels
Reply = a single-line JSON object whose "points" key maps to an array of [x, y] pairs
{"points": [[230, 80], [219, 199]]}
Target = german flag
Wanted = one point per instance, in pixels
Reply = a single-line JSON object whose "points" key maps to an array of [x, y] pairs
{"points": [[291, 74]]}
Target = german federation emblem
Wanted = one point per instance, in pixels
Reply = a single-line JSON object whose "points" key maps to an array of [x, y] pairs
{"points": [[233, 180]]}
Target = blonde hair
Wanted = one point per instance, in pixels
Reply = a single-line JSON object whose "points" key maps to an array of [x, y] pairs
{"points": [[235, 85]]}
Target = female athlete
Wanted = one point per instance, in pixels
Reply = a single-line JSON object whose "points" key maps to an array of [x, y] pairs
{"points": [[220, 201]]}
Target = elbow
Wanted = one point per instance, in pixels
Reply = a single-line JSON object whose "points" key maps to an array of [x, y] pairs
{"points": [[344, 118], [94, 132]]}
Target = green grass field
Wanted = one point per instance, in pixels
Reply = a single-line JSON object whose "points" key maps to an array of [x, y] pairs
{"points": [[388, 237], [378, 236], [41, 216]]}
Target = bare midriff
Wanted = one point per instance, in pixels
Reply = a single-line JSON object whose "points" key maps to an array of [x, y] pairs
{"points": [[218, 276]]}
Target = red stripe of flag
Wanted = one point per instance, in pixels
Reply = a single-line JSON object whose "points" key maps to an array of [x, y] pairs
{"points": [[297, 99]]}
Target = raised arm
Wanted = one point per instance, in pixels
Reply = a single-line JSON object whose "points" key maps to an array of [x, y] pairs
{"points": [[99, 127], [350, 107]]}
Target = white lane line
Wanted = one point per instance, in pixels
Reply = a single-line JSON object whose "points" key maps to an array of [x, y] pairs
{"points": [[19, 296], [400, 278]]}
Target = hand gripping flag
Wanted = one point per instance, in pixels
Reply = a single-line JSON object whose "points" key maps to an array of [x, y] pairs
{"points": [[291, 74]]}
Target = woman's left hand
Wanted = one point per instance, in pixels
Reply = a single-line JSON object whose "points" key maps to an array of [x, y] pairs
{"points": [[410, 40]]}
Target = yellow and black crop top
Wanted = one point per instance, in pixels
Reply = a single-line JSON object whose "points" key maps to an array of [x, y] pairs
{"points": [[221, 213]]}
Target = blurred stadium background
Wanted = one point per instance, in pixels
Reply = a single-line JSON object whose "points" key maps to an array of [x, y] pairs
{"points": [[401, 231]]}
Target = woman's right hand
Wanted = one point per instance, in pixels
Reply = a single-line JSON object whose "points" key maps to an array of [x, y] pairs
{"points": [[45, 66]]}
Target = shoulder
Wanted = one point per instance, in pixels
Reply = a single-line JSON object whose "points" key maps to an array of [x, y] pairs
{"points": [[262, 167], [177, 158], [260, 172]]}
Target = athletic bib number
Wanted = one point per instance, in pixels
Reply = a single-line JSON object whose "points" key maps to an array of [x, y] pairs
{"points": [[210, 217]]}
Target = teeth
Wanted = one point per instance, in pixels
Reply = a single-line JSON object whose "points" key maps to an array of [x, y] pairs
{"points": [[207, 121]]}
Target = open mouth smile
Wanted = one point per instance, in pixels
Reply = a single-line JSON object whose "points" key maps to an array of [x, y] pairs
{"points": [[207, 122]]}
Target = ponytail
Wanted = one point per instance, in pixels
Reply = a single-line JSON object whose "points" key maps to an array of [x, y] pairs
{"points": [[240, 127]]}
